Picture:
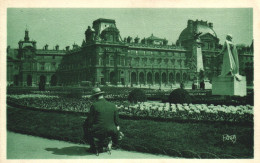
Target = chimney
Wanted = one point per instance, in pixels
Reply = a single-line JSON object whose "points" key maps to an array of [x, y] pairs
{"points": [[74, 46], [20, 43], [8, 48], [67, 48], [34, 44], [211, 25], [26, 36], [57, 47], [190, 25], [46, 47]]}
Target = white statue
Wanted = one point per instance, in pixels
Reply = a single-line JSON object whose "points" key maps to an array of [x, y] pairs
{"points": [[230, 66]]}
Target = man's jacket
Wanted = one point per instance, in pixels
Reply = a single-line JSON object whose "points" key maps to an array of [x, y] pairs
{"points": [[103, 118]]}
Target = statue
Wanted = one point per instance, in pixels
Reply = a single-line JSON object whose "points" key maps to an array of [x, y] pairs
{"points": [[197, 36], [229, 83], [230, 66]]}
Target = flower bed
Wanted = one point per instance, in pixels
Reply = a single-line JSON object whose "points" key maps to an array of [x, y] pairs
{"points": [[51, 102], [240, 113]]}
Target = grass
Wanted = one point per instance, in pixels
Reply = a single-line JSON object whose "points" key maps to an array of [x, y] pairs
{"points": [[182, 139]]}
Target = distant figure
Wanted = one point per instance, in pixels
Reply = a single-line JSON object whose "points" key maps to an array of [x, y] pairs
{"points": [[182, 85], [202, 85], [193, 86], [230, 66]]}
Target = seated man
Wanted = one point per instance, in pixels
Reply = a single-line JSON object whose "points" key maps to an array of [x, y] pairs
{"points": [[102, 121]]}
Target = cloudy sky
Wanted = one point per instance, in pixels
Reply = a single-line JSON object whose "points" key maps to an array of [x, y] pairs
{"points": [[66, 26]]}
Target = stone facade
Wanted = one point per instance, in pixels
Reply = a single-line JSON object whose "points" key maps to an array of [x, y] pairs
{"points": [[105, 58], [27, 65]]}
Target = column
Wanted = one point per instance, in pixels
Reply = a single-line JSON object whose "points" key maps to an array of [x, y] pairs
{"points": [[107, 76], [137, 77], [167, 77], [153, 77], [160, 77], [145, 78]]}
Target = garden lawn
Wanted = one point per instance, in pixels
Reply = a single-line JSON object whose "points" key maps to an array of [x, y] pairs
{"points": [[180, 139]]}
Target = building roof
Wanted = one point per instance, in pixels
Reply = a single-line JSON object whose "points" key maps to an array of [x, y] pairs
{"points": [[205, 30], [111, 29], [104, 20], [50, 52], [199, 27], [26, 44], [12, 53], [152, 37]]}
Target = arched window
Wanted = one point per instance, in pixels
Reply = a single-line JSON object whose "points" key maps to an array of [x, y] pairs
{"points": [[29, 80], [133, 78]]}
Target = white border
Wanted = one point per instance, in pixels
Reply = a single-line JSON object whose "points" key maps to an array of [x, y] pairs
{"points": [[4, 4]]}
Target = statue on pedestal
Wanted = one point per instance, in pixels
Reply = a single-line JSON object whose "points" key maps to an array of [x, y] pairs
{"points": [[230, 66], [229, 83]]}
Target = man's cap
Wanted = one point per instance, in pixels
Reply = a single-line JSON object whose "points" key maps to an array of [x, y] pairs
{"points": [[97, 91]]}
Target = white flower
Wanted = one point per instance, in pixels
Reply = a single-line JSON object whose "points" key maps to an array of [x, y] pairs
{"points": [[167, 108]]}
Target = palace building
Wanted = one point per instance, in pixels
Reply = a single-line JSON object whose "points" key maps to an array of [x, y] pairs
{"points": [[108, 59], [27, 65]]}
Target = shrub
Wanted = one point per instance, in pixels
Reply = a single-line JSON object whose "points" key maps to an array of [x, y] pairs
{"points": [[137, 95], [250, 98], [179, 96]]}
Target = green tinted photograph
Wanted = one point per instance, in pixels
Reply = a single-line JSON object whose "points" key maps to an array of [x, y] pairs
{"points": [[130, 83]]}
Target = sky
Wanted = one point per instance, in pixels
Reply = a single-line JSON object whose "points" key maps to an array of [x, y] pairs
{"points": [[64, 26]]}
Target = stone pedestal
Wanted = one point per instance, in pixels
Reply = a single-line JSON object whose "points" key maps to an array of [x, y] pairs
{"points": [[229, 86], [207, 84]]}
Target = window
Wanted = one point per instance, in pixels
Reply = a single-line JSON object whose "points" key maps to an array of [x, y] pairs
{"points": [[159, 60], [53, 66], [180, 63], [42, 66], [122, 61], [112, 62]]}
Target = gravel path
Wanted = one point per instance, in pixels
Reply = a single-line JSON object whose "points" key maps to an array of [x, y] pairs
{"points": [[21, 146]]}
